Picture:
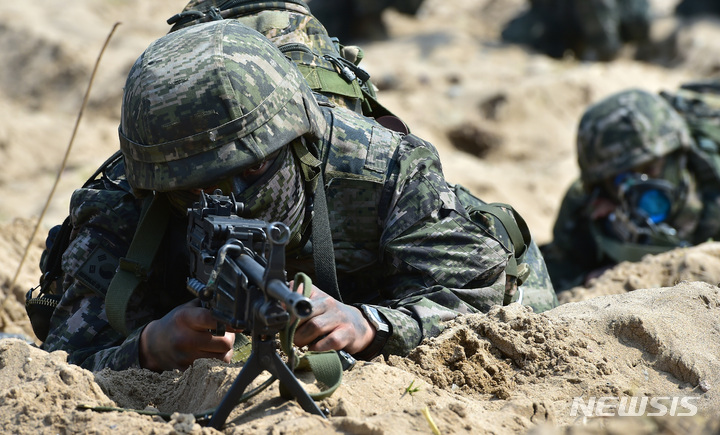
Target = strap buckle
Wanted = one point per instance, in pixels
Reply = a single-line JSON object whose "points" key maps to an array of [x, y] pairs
{"points": [[134, 267]]}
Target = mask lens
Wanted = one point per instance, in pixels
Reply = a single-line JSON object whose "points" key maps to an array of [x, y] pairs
{"points": [[655, 204], [651, 198]]}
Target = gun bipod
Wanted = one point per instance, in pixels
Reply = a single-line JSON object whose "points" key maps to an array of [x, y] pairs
{"points": [[263, 357]]}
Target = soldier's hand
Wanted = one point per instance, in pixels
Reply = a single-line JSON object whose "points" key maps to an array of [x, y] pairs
{"points": [[333, 326], [601, 208], [182, 336]]}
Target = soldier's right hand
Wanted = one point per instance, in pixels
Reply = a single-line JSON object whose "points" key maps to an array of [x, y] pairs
{"points": [[182, 336]]}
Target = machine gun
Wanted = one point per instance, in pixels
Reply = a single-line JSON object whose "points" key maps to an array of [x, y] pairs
{"points": [[238, 272]]}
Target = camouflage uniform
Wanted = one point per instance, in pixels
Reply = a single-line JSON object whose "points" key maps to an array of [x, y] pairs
{"points": [[590, 29], [403, 241], [330, 67], [615, 135], [290, 26]]}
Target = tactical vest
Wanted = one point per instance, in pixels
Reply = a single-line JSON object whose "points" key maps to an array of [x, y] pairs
{"points": [[356, 154]]}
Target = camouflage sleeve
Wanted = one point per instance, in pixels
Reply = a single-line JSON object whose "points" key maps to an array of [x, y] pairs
{"points": [[438, 263], [104, 222]]}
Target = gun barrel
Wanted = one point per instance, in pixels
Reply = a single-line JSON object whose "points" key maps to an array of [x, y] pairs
{"points": [[297, 304]]}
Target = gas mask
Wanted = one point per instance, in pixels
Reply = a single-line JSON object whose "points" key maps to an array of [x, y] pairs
{"points": [[646, 199], [646, 208]]}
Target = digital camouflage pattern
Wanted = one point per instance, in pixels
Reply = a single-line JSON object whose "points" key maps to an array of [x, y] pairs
{"points": [[232, 116], [104, 216], [278, 196], [698, 103], [622, 131], [403, 240], [593, 30], [300, 36], [625, 130], [537, 290]]}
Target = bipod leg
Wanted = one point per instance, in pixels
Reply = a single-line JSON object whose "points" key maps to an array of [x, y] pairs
{"points": [[249, 372], [263, 357], [275, 365]]}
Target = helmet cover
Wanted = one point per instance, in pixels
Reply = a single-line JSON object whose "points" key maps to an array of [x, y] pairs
{"points": [[207, 101], [626, 130]]}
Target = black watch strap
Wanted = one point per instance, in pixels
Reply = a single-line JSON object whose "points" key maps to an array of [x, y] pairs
{"points": [[383, 330]]}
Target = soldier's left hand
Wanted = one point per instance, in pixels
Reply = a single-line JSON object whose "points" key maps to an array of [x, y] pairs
{"points": [[333, 326]]}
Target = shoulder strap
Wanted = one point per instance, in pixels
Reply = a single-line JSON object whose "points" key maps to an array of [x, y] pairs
{"points": [[135, 266], [513, 223], [323, 252], [515, 238]]}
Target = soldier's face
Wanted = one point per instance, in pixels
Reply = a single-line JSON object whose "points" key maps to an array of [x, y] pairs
{"points": [[652, 169], [242, 180], [181, 200]]}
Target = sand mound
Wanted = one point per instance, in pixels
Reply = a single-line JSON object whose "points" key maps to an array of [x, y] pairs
{"points": [[503, 120], [511, 370], [699, 263]]}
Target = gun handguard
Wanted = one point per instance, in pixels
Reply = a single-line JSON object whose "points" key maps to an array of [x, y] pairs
{"points": [[297, 304]]}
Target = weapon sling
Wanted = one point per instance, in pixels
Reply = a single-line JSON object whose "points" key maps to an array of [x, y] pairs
{"points": [[135, 266]]}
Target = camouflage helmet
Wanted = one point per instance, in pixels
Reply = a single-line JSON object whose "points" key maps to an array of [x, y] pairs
{"points": [[329, 68], [207, 101], [627, 129]]}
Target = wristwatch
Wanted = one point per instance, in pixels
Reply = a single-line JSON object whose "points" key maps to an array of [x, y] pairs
{"points": [[383, 330]]}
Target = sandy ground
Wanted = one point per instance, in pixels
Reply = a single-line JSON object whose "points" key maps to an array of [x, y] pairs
{"points": [[648, 329]]}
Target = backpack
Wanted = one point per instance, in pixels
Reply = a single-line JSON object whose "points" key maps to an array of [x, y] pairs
{"points": [[40, 308]]}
